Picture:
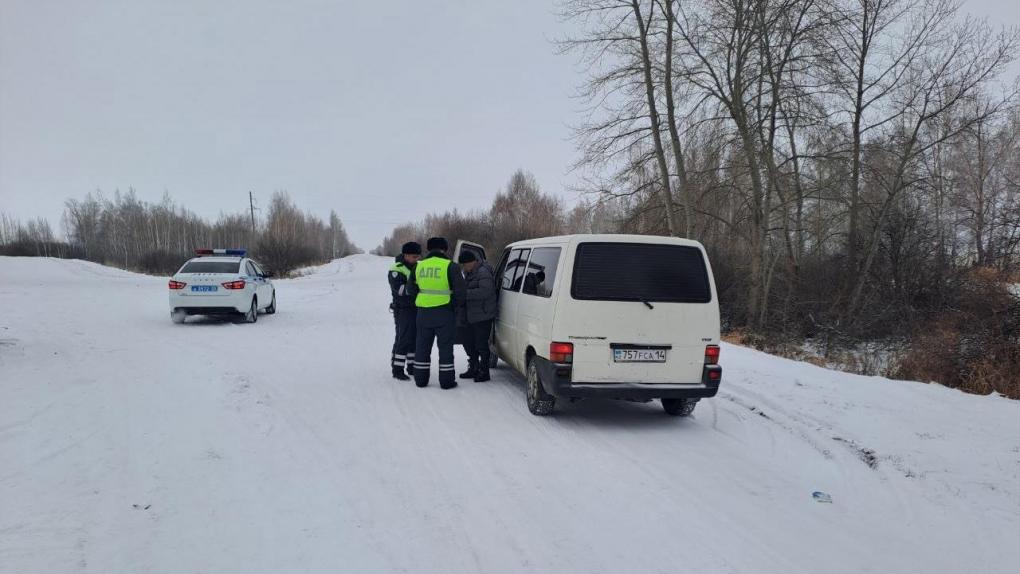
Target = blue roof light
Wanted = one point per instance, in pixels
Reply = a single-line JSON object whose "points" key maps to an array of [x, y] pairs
{"points": [[229, 252]]}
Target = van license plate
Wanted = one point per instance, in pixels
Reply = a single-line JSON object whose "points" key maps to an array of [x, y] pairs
{"points": [[639, 355]]}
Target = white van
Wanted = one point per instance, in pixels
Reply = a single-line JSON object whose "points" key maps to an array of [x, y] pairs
{"points": [[615, 316]]}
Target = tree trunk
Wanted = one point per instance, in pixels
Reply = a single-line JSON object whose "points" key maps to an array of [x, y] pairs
{"points": [[674, 136], [653, 117]]}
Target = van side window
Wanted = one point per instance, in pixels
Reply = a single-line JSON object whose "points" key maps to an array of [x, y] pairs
{"points": [[508, 269], [518, 264], [513, 273], [541, 271]]}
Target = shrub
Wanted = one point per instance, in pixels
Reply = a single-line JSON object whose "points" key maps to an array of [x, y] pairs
{"points": [[975, 344]]}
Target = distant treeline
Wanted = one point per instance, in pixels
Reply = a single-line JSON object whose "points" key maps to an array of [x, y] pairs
{"points": [[158, 237], [521, 211]]}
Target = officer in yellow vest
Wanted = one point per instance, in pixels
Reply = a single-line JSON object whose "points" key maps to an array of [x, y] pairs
{"points": [[404, 311], [438, 287]]}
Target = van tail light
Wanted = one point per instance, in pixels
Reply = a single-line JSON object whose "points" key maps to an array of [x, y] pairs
{"points": [[561, 352], [177, 284], [712, 355], [715, 374], [239, 284]]}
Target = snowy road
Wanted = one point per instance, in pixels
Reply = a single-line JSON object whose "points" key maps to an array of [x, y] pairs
{"points": [[129, 444]]}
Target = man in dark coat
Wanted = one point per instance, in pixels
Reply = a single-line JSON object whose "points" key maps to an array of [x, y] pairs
{"points": [[404, 311], [479, 313]]}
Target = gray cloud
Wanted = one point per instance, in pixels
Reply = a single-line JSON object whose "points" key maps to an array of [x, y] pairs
{"points": [[381, 110]]}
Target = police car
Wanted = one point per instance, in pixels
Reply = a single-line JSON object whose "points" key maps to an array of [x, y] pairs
{"points": [[221, 282]]}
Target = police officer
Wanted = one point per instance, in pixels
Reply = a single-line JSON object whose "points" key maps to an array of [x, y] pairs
{"points": [[404, 311], [437, 286]]}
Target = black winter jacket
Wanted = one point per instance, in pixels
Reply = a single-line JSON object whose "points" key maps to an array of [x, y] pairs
{"points": [[481, 294]]}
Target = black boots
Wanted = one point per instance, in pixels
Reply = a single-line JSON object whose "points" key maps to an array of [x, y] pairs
{"points": [[479, 371], [398, 373]]}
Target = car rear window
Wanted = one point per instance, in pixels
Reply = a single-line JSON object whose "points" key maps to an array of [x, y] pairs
{"points": [[640, 272], [211, 267]]}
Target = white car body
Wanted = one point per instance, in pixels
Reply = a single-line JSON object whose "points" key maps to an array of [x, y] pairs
{"points": [[205, 292], [645, 324]]}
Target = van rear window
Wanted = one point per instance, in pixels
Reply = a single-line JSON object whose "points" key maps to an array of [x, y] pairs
{"points": [[211, 267], [640, 272]]}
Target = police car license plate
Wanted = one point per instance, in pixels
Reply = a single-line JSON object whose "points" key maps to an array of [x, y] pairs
{"points": [[639, 355], [204, 288]]}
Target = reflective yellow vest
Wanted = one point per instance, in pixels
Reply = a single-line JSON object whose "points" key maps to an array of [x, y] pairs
{"points": [[431, 275], [402, 269]]}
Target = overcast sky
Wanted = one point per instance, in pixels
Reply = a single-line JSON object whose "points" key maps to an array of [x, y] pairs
{"points": [[381, 110]]}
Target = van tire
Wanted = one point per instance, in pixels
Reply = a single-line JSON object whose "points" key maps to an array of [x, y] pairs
{"points": [[540, 403], [679, 407]]}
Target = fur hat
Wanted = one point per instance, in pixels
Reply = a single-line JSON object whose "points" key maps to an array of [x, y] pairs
{"points": [[437, 244]]}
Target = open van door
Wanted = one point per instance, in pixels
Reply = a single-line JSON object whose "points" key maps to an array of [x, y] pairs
{"points": [[463, 246]]}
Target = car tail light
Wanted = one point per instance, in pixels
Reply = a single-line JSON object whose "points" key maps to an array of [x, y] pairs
{"points": [[712, 355], [715, 374], [239, 284], [561, 352], [177, 284]]}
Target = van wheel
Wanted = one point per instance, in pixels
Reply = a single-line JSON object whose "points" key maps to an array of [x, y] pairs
{"points": [[679, 407], [540, 403]]}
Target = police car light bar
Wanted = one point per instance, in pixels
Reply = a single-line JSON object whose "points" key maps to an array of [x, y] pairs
{"points": [[229, 252]]}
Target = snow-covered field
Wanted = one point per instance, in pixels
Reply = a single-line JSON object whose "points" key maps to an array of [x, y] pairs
{"points": [[129, 444]]}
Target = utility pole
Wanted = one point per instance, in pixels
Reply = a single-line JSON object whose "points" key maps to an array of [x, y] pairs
{"points": [[251, 204]]}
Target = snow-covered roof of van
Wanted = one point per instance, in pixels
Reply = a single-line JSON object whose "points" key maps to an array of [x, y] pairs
{"points": [[605, 237]]}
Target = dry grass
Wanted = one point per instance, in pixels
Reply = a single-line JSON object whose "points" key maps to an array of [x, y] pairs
{"points": [[975, 346]]}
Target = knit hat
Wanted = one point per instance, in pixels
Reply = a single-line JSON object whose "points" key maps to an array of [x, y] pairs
{"points": [[466, 257], [437, 244], [411, 248]]}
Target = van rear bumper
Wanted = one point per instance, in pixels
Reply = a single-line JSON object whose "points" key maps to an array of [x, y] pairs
{"points": [[557, 381]]}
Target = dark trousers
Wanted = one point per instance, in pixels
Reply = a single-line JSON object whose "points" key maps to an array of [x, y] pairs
{"points": [[476, 343], [435, 324], [404, 319]]}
